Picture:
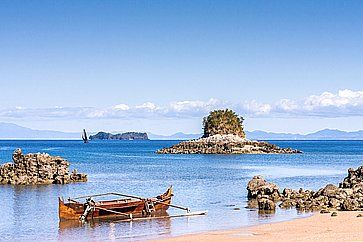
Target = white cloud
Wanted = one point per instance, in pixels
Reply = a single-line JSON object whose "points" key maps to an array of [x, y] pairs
{"points": [[254, 108], [121, 106], [148, 106], [344, 103]]}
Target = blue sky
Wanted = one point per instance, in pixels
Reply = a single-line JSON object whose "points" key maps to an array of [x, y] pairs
{"points": [[158, 66]]}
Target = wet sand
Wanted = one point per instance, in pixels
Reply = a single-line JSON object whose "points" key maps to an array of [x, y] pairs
{"points": [[318, 227]]}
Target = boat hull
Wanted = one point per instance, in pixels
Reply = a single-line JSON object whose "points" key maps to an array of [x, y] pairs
{"points": [[73, 210]]}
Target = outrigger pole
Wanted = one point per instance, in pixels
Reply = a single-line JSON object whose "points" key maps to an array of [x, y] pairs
{"points": [[174, 206]]}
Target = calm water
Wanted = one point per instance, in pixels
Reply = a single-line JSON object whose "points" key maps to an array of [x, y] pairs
{"points": [[216, 183]]}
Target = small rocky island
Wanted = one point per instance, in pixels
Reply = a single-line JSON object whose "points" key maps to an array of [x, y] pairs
{"points": [[224, 134], [33, 169], [347, 196], [123, 136]]}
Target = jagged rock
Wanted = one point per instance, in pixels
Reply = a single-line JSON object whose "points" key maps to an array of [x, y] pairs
{"points": [[287, 203], [334, 214], [38, 169], [266, 204], [349, 204], [258, 186], [348, 196], [329, 190], [355, 177]]}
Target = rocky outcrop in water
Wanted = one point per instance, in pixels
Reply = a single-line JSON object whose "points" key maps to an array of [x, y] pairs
{"points": [[225, 144], [347, 197], [258, 186], [31, 169], [123, 136]]}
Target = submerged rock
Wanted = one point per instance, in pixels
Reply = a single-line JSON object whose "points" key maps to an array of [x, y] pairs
{"points": [[38, 169]]}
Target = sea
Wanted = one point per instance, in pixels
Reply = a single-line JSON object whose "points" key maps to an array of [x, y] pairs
{"points": [[216, 183]]}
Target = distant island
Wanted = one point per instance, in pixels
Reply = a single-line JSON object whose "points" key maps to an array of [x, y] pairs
{"points": [[224, 134], [123, 136]]}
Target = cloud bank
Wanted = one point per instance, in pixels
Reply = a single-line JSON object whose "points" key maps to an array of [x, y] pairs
{"points": [[345, 103]]}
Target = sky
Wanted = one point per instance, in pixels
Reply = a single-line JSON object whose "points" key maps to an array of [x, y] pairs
{"points": [[160, 66]]}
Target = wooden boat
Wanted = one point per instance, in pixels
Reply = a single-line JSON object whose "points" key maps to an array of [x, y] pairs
{"points": [[128, 208]]}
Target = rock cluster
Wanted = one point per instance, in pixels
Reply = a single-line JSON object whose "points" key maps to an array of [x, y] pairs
{"points": [[38, 169], [347, 197], [225, 144]]}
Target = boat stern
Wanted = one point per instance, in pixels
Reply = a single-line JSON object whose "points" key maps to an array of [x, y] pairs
{"points": [[66, 212]]}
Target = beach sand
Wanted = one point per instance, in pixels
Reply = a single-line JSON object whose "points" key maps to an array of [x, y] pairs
{"points": [[319, 227]]}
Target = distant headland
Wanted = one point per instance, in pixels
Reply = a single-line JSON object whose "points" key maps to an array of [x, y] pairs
{"points": [[13, 131], [224, 134], [123, 136]]}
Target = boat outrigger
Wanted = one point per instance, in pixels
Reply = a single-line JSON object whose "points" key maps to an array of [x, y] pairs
{"points": [[129, 208]]}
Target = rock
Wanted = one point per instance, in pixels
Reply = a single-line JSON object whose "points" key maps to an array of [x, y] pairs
{"points": [[225, 144], [334, 214], [347, 197], [38, 169], [287, 203], [324, 211], [359, 215], [258, 186], [329, 190], [266, 204], [236, 209], [349, 204], [252, 203]]}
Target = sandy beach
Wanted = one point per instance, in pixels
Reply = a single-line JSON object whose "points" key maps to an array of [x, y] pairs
{"points": [[319, 227]]}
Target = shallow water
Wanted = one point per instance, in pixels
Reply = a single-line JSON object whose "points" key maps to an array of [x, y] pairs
{"points": [[216, 183]]}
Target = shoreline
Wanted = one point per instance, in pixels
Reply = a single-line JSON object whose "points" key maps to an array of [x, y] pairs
{"points": [[318, 227]]}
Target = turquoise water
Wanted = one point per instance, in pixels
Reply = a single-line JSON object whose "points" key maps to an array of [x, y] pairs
{"points": [[216, 183]]}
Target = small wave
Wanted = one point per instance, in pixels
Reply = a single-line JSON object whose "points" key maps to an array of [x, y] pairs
{"points": [[52, 148], [285, 172]]}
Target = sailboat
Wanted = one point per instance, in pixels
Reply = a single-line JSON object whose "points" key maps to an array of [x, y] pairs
{"points": [[84, 136]]}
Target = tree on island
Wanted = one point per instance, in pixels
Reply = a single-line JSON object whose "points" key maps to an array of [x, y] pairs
{"points": [[223, 122]]}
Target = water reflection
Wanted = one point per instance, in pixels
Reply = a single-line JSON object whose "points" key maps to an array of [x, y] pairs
{"points": [[116, 228]]}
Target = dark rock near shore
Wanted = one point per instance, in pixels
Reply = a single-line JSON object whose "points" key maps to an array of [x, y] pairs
{"points": [[259, 187], [123, 136], [347, 197], [38, 169], [266, 204]]}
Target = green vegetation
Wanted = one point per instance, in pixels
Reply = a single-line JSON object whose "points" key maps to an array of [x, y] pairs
{"points": [[223, 122]]}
